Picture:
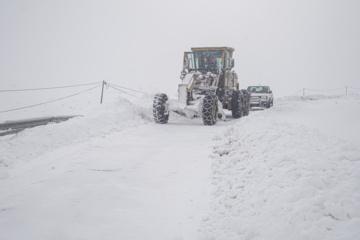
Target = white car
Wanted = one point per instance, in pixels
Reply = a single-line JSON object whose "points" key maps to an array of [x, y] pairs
{"points": [[261, 96]]}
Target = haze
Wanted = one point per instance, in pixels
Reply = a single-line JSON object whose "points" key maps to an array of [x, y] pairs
{"points": [[287, 45]]}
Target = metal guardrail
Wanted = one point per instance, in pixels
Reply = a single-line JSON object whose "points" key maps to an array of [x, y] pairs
{"points": [[12, 127]]}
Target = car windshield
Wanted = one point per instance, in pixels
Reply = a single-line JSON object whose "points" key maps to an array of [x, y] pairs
{"points": [[209, 59], [258, 89]]}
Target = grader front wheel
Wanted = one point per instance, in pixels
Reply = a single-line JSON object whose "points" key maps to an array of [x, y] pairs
{"points": [[210, 109], [161, 115]]}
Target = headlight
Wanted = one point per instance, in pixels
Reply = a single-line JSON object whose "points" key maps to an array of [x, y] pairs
{"points": [[264, 97]]}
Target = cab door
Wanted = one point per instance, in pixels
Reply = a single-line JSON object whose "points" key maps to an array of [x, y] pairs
{"points": [[189, 61], [229, 77], [231, 80]]}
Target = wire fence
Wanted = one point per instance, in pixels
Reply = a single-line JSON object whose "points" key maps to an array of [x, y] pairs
{"points": [[342, 90], [47, 88], [55, 100], [98, 84], [111, 86], [125, 90]]}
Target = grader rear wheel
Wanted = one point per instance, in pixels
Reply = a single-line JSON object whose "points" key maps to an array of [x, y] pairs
{"points": [[246, 102], [237, 104]]}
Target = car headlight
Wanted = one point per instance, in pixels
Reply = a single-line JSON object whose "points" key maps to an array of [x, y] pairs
{"points": [[264, 97]]}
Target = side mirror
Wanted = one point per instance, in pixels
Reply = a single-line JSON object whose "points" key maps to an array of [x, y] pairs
{"points": [[232, 63], [186, 64], [270, 92]]}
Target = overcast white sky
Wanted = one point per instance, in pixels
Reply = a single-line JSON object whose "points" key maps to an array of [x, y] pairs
{"points": [[285, 44]]}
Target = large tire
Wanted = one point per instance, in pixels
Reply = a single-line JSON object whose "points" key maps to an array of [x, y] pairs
{"points": [[246, 102], [237, 104], [159, 111], [210, 109]]}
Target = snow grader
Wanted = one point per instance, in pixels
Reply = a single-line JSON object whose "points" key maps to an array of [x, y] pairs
{"points": [[208, 86]]}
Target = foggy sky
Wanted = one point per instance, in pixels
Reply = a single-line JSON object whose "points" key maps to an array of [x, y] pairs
{"points": [[287, 45]]}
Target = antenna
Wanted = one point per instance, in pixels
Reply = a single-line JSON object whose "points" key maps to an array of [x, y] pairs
{"points": [[259, 78]]}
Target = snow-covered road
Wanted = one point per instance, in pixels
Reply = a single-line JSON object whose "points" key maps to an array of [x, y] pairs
{"points": [[114, 174], [148, 182]]}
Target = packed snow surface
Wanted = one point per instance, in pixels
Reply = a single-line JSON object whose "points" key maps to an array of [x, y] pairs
{"points": [[288, 172]]}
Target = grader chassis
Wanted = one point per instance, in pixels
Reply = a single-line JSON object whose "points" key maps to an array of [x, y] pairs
{"points": [[208, 86]]}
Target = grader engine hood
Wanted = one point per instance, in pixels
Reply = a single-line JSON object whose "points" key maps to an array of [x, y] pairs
{"points": [[197, 80]]}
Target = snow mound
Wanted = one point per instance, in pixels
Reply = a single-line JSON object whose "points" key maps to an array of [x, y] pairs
{"points": [[99, 122], [276, 180]]}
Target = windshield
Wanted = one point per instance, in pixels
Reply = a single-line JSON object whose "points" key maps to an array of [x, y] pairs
{"points": [[210, 59], [258, 89]]}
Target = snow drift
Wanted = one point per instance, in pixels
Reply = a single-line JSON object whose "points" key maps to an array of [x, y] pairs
{"points": [[98, 122], [279, 180]]}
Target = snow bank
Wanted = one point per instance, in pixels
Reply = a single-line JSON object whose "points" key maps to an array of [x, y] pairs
{"points": [[100, 121], [276, 180]]}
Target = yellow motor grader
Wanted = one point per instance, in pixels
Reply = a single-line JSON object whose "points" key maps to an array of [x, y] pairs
{"points": [[208, 86]]}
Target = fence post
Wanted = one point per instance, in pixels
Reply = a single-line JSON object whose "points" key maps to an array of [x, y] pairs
{"points": [[102, 91]]}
